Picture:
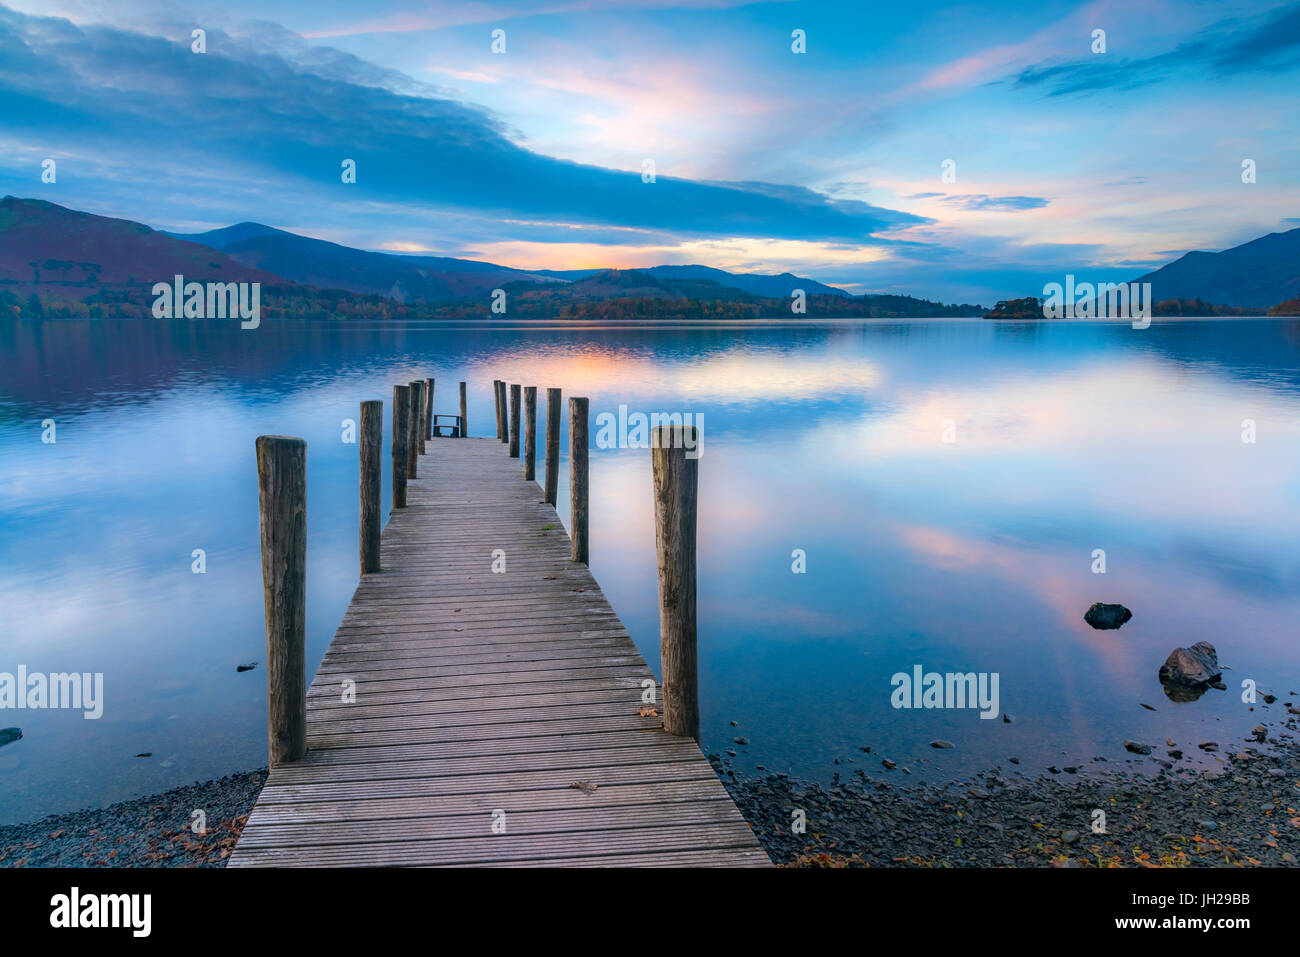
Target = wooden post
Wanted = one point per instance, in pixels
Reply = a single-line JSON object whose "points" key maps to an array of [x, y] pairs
{"points": [[552, 444], [464, 416], [428, 411], [282, 497], [401, 431], [372, 446], [578, 490], [421, 429], [503, 428], [676, 485], [413, 431], [417, 397], [530, 433], [496, 398], [514, 421]]}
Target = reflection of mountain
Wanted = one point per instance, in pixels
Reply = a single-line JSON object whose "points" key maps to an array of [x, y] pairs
{"points": [[143, 359], [1257, 274]]}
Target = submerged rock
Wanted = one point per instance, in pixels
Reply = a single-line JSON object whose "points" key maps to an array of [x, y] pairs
{"points": [[9, 735], [1105, 617], [1137, 747], [1194, 667]]}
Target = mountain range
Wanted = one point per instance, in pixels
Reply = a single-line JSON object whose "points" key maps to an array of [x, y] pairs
{"points": [[1254, 275], [67, 255]]}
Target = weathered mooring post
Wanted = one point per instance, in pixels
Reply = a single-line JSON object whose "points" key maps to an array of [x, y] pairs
{"points": [[464, 414], [676, 487], [413, 431], [514, 421], [530, 433], [503, 426], [578, 489], [401, 433], [428, 411], [371, 482], [282, 500], [496, 399], [552, 444]]}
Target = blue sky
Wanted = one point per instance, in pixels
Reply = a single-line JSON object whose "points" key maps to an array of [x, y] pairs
{"points": [[827, 163]]}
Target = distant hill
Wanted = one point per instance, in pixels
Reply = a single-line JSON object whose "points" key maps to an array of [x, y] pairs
{"points": [[229, 235], [61, 263], [614, 294], [315, 262], [65, 254], [1258, 274], [774, 287]]}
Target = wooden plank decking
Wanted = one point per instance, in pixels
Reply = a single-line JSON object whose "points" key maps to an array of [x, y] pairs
{"points": [[479, 692]]}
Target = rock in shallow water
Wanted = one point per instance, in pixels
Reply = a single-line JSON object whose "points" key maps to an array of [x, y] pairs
{"points": [[1105, 617], [9, 735], [1193, 667]]}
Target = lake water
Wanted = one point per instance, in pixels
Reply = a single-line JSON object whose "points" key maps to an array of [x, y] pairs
{"points": [[974, 554]]}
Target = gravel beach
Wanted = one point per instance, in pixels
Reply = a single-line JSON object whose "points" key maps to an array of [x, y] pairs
{"points": [[1244, 816], [153, 831]]}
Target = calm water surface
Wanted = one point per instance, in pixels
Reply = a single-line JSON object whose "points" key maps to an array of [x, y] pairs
{"points": [[970, 555]]}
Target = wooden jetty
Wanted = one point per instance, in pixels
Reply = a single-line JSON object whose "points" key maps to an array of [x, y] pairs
{"points": [[481, 703]]}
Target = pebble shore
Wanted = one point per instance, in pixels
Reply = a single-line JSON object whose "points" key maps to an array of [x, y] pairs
{"points": [[1248, 815]]}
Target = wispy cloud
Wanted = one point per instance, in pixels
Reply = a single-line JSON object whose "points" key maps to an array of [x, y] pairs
{"points": [[281, 115], [1267, 44], [1004, 204]]}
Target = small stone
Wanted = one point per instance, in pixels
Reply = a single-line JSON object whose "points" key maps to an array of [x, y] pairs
{"points": [[1137, 748], [1175, 754], [1069, 837], [1147, 706], [741, 741], [889, 765], [1008, 718], [1014, 760], [1209, 746], [942, 745], [1106, 617]]}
